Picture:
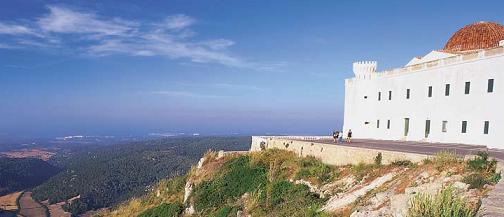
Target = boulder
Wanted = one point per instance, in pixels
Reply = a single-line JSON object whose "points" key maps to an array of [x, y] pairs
{"points": [[460, 185], [340, 201], [384, 211], [399, 205]]}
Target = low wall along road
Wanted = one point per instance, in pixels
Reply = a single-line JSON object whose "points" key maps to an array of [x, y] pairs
{"points": [[331, 154]]}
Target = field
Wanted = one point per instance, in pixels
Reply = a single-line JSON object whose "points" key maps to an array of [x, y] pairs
{"points": [[8, 202], [32, 153], [30, 207]]}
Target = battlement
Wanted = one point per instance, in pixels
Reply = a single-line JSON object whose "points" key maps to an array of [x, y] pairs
{"points": [[363, 69], [367, 69]]}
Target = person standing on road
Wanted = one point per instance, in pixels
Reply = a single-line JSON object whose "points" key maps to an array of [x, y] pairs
{"points": [[336, 135], [349, 136]]}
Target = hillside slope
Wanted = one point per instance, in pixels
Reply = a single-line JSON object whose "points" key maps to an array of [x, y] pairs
{"points": [[106, 176], [278, 183], [23, 173]]}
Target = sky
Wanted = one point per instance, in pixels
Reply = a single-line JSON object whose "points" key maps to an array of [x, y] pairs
{"points": [[113, 67]]}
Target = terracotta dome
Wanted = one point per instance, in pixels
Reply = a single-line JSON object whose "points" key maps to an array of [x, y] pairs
{"points": [[476, 36]]}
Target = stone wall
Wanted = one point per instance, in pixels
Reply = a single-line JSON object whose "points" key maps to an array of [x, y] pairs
{"points": [[332, 154]]}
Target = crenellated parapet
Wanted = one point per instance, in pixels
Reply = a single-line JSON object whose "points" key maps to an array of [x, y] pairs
{"points": [[364, 69]]}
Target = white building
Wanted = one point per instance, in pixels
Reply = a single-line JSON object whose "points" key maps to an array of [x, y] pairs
{"points": [[453, 95]]}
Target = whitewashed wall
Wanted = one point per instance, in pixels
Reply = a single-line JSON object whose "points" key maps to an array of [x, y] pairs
{"points": [[475, 108]]}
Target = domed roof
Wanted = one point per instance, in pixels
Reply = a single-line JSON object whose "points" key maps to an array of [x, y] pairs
{"points": [[476, 36]]}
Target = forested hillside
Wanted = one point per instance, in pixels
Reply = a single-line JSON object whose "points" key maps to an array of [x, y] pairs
{"points": [[22, 173], [105, 176]]}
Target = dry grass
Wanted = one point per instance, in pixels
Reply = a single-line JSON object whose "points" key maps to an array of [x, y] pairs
{"points": [[166, 191], [407, 179], [445, 203], [445, 159], [210, 167]]}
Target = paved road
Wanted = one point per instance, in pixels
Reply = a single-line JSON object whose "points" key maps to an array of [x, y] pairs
{"points": [[419, 147]]}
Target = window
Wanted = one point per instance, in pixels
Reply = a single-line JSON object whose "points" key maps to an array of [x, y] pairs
{"points": [[407, 93], [487, 125], [467, 87], [377, 123], [379, 96], [444, 127], [390, 95], [430, 91], [388, 124], [447, 90], [464, 126], [490, 85]]}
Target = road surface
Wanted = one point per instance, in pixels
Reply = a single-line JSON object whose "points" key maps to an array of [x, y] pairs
{"points": [[418, 147]]}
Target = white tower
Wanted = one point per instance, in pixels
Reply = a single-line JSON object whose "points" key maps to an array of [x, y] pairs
{"points": [[364, 69]]}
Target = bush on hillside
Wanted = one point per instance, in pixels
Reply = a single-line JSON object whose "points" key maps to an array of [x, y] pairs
{"points": [[311, 168], [222, 212], [403, 163], [482, 171], [163, 210], [378, 159], [482, 164], [289, 199], [442, 160], [280, 163], [446, 203], [236, 178]]}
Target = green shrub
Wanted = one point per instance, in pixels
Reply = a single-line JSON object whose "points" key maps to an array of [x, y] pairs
{"points": [[482, 171], [310, 167], [403, 163], [236, 178], [378, 159], [283, 191], [444, 204], [482, 164], [479, 180], [288, 199], [427, 161], [495, 178], [475, 181], [163, 210], [222, 212]]}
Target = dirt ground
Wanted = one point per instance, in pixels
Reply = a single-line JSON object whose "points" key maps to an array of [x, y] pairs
{"points": [[8, 202], [29, 207]]}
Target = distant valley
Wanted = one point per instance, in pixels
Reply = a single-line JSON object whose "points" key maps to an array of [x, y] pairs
{"points": [[80, 178]]}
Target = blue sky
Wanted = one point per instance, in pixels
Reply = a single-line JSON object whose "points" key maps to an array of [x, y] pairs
{"points": [[211, 67]]}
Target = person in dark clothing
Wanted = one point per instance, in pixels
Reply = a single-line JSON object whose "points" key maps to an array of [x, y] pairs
{"points": [[349, 136], [336, 136]]}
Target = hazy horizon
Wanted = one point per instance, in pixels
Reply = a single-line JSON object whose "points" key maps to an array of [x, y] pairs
{"points": [[211, 67]]}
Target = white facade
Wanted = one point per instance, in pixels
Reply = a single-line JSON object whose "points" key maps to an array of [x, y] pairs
{"points": [[387, 118]]}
